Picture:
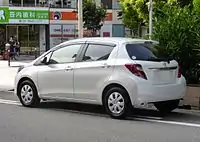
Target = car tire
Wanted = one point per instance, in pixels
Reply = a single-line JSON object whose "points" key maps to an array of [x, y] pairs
{"points": [[28, 94], [117, 103], [167, 106]]}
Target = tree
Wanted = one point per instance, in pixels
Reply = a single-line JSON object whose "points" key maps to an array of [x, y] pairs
{"points": [[177, 30], [137, 11], [135, 14], [93, 15], [129, 17], [196, 4]]}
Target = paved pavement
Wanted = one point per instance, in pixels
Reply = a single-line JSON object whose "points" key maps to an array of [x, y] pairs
{"points": [[26, 57], [8, 73], [67, 122]]}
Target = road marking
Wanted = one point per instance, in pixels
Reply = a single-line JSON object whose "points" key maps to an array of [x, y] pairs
{"points": [[169, 122], [149, 117], [10, 102]]}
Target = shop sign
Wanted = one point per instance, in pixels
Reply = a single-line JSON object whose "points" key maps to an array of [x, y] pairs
{"points": [[4, 15], [30, 16]]}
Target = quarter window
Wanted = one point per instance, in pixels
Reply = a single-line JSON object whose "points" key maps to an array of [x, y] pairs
{"points": [[97, 52], [65, 55]]}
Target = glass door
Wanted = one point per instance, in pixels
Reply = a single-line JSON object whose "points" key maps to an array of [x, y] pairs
{"points": [[27, 35], [11, 30], [21, 34], [23, 38]]}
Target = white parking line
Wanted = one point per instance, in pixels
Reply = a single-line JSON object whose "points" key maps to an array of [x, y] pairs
{"points": [[169, 122], [10, 102]]}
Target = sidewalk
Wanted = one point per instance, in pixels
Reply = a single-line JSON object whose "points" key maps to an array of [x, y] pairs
{"points": [[7, 74]]}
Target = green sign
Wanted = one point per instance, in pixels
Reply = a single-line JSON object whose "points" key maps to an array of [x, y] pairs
{"points": [[4, 15], [24, 16], [29, 14]]}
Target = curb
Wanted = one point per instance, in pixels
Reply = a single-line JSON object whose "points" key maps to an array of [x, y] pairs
{"points": [[188, 107]]}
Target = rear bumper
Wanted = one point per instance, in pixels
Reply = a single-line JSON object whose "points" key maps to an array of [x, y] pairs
{"points": [[158, 93]]}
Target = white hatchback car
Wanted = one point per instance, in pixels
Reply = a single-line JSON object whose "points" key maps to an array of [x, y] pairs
{"points": [[117, 73]]}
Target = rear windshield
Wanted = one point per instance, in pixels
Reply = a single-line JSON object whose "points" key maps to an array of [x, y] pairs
{"points": [[139, 51]]}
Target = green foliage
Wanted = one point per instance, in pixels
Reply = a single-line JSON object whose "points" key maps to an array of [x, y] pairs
{"points": [[93, 15], [196, 4], [135, 12], [183, 3], [176, 27], [178, 31], [129, 16]]}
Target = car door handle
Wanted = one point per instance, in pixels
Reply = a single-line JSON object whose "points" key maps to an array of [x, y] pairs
{"points": [[105, 65], [69, 68]]}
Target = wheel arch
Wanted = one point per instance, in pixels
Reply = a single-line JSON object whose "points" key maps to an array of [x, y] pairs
{"points": [[23, 79], [111, 85]]}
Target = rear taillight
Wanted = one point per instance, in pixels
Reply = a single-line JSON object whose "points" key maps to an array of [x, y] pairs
{"points": [[137, 70], [179, 72]]}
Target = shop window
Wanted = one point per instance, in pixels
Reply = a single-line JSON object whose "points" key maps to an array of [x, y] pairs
{"points": [[118, 30], [69, 3], [116, 4], [2, 38], [34, 37], [55, 3], [28, 3], [15, 2], [107, 3], [42, 3]]}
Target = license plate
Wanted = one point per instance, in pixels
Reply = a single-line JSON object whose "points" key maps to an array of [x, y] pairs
{"points": [[164, 76]]}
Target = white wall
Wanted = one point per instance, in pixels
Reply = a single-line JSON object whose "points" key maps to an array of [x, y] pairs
{"points": [[106, 28], [4, 2], [115, 19], [62, 33]]}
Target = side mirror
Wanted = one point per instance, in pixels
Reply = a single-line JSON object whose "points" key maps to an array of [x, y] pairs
{"points": [[85, 58], [44, 61]]}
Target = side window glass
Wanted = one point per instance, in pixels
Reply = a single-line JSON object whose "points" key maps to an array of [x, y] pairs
{"points": [[65, 55], [97, 52]]}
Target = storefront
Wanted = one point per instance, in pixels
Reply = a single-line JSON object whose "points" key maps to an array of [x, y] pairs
{"points": [[28, 25], [44, 28], [63, 25]]}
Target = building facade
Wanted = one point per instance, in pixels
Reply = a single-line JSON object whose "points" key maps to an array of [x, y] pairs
{"points": [[42, 24]]}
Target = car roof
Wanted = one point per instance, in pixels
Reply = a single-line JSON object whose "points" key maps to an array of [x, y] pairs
{"points": [[119, 40]]}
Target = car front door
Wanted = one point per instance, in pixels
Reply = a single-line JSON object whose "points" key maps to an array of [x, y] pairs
{"points": [[55, 79], [94, 69]]}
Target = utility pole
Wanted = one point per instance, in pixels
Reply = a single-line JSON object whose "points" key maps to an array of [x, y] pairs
{"points": [[150, 18], [80, 18]]}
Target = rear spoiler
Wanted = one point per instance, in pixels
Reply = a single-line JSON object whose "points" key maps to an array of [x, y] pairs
{"points": [[151, 42]]}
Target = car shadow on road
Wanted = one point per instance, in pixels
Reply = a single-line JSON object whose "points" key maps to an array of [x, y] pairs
{"points": [[93, 109], [97, 110], [73, 107]]}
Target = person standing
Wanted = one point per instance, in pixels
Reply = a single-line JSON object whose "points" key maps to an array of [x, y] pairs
{"points": [[17, 46], [12, 48]]}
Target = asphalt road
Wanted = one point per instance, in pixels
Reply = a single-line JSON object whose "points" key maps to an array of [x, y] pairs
{"points": [[67, 122]]}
